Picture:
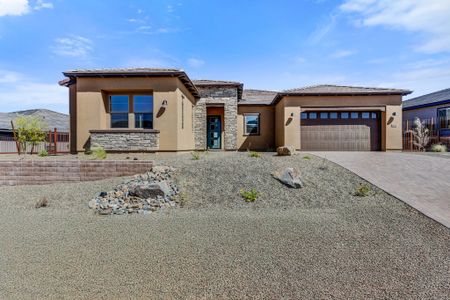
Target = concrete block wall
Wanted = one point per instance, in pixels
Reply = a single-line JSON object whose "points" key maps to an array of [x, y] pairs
{"points": [[35, 172]]}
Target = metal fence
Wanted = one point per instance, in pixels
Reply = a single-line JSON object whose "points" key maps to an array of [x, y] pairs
{"points": [[435, 138], [55, 142]]}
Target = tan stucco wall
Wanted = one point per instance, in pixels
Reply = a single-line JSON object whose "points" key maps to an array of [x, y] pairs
{"points": [[266, 139], [287, 127], [393, 126], [92, 105]]}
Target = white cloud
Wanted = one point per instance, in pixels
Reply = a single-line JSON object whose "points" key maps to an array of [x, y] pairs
{"points": [[342, 53], [40, 4], [18, 91], [428, 17], [21, 7], [195, 62], [73, 46], [322, 30], [14, 7]]}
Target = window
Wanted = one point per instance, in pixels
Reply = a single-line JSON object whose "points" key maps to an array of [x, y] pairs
{"points": [[324, 115], [143, 111], [119, 111], [374, 115], [304, 116], [251, 124], [444, 118], [333, 115], [344, 115], [365, 115], [354, 115], [313, 115]]}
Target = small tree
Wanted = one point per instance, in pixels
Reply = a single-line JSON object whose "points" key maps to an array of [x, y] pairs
{"points": [[30, 130], [421, 134]]}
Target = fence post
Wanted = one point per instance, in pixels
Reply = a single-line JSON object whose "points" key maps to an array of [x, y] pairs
{"points": [[55, 136]]}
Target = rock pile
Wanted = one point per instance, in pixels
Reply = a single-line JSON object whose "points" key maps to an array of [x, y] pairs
{"points": [[144, 193]]}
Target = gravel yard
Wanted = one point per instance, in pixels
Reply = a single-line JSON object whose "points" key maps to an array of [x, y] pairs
{"points": [[317, 242]]}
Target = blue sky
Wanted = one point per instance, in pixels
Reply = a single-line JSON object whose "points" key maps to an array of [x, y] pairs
{"points": [[264, 44]]}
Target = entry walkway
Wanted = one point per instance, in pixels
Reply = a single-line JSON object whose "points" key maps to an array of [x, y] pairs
{"points": [[422, 181]]}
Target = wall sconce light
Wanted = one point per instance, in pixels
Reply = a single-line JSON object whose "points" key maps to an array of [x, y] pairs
{"points": [[394, 113], [292, 114], [164, 103]]}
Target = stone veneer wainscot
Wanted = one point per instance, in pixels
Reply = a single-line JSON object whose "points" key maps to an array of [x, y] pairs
{"points": [[126, 140]]}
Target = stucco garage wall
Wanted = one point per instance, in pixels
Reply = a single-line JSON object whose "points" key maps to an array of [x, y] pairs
{"points": [[289, 108], [92, 106], [266, 139]]}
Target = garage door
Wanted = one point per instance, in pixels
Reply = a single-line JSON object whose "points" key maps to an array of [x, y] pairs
{"points": [[340, 131]]}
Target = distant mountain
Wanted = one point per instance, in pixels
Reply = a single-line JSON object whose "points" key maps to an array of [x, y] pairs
{"points": [[52, 118]]}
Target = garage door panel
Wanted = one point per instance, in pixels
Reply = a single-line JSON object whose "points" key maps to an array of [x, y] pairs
{"points": [[340, 134]]}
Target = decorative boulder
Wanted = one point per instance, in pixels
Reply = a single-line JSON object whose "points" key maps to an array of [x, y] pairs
{"points": [[289, 177], [286, 151], [150, 191]]}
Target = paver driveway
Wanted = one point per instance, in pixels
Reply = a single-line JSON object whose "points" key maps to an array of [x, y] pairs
{"points": [[421, 181]]}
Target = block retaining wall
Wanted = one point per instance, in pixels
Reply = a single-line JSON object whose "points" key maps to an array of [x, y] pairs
{"points": [[47, 172]]}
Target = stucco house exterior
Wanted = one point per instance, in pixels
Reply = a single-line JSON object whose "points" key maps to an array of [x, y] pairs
{"points": [[148, 109], [434, 108]]}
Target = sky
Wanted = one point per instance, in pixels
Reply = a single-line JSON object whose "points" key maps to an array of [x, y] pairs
{"points": [[265, 44]]}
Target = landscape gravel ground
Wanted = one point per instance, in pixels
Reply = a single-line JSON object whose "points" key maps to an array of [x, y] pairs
{"points": [[318, 242]]}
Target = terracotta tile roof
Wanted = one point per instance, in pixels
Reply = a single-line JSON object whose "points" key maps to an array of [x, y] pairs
{"points": [[257, 97], [436, 98]]}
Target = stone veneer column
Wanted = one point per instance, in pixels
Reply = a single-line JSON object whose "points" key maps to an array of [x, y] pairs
{"points": [[216, 95]]}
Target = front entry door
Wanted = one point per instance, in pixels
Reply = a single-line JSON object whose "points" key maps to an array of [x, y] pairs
{"points": [[214, 132]]}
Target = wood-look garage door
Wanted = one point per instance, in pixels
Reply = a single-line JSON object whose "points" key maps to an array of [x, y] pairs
{"points": [[340, 131]]}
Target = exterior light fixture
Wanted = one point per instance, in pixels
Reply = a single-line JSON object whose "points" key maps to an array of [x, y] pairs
{"points": [[164, 103], [292, 114], [394, 113]]}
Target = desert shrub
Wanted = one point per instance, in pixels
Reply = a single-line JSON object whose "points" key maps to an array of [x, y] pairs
{"points": [[421, 135], [249, 195], [30, 130], [182, 199], [254, 154], [195, 155], [438, 148], [362, 190], [307, 157], [99, 152], [43, 153], [43, 202]]}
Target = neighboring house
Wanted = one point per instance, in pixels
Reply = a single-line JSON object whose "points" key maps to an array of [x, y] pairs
{"points": [[164, 110], [433, 108], [52, 118]]}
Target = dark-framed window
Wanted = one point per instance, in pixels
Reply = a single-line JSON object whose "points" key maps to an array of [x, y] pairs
{"points": [[324, 115], [304, 116], [365, 115], [354, 115], [444, 117], [374, 115], [251, 124], [333, 115], [119, 108], [344, 115], [312, 115], [143, 111]]}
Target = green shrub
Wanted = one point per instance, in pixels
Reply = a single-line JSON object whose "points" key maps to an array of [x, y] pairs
{"points": [[438, 148], [307, 157], [43, 153], [250, 195], [99, 152], [195, 155], [254, 154], [362, 190]]}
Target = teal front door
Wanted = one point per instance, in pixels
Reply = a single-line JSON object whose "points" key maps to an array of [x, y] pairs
{"points": [[214, 132]]}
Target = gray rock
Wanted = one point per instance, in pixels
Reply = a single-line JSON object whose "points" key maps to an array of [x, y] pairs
{"points": [[286, 151], [92, 204], [289, 177], [147, 191]]}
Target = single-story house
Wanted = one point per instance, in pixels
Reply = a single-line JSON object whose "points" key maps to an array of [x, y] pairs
{"points": [[434, 108], [148, 109], [53, 119]]}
